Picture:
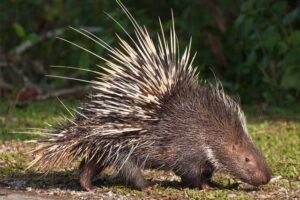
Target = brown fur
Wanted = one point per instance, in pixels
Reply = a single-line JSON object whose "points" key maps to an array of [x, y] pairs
{"points": [[189, 122], [148, 111]]}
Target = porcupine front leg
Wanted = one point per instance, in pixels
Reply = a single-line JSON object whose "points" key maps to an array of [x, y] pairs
{"points": [[88, 169], [206, 179], [193, 176], [131, 173]]}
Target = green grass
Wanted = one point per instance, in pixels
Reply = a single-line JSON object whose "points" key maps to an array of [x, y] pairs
{"points": [[276, 133], [23, 117]]}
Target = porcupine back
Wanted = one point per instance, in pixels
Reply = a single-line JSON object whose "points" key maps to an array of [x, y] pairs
{"points": [[126, 102]]}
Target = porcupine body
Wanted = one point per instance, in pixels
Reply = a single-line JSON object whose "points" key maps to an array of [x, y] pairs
{"points": [[147, 111]]}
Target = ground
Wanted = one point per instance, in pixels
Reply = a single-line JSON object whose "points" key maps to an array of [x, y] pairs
{"points": [[276, 132]]}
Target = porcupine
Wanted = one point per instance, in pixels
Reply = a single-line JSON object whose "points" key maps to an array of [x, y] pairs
{"points": [[148, 111]]}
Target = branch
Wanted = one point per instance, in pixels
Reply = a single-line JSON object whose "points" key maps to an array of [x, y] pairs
{"points": [[50, 34], [63, 92]]}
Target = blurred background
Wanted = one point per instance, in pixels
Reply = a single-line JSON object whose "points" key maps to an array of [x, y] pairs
{"points": [[252, 46]]}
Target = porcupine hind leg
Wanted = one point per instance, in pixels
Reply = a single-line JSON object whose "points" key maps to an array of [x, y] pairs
{"points": [[131, 173], [89, 169]]}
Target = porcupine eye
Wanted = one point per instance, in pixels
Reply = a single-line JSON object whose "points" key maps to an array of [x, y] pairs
{"points": [[247, 159]]}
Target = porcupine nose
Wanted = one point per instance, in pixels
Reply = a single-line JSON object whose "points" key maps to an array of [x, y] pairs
{"points": [[262, 177], [266, 178]]}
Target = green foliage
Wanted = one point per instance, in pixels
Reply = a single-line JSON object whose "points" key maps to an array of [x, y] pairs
{"points": [[20, 32], [253, 46], [266, 54]]}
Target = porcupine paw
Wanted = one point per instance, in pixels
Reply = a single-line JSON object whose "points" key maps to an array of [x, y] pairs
{"points": [[197, 183], [87, 186], [90, 188], [143, 184], [209, 185], [85, 182]]}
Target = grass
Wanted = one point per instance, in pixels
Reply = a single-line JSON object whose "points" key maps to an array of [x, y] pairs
{"points": [[23, 117], [276, 133]]}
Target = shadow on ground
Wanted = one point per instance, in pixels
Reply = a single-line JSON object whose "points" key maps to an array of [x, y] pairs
{"points": [[69, 180]]}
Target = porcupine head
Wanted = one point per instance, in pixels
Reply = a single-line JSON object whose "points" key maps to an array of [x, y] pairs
{"points": [[149, 108], [227, 144], [211, 127]]}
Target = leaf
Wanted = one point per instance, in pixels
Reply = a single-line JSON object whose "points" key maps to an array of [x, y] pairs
{"points": [[271, 38], [291, 17], [19, 30], [248, 5], [32, 37], [282, 48], [240, 20], [290, 79], [295, 37], [248, 27], [279, 6], [251, 59]]}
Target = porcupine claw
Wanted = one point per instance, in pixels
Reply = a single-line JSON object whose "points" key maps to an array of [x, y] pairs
{"points": [[209, 185]]}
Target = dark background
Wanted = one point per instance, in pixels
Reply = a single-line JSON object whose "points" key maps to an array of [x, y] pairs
{"points": [[252, 46]]}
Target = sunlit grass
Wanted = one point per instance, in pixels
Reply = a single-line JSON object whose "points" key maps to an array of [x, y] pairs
{"points": [[277, 135]]}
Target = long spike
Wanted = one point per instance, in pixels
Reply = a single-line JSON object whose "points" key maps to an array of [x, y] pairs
{"points": [[76, 68], [128, 93]]}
